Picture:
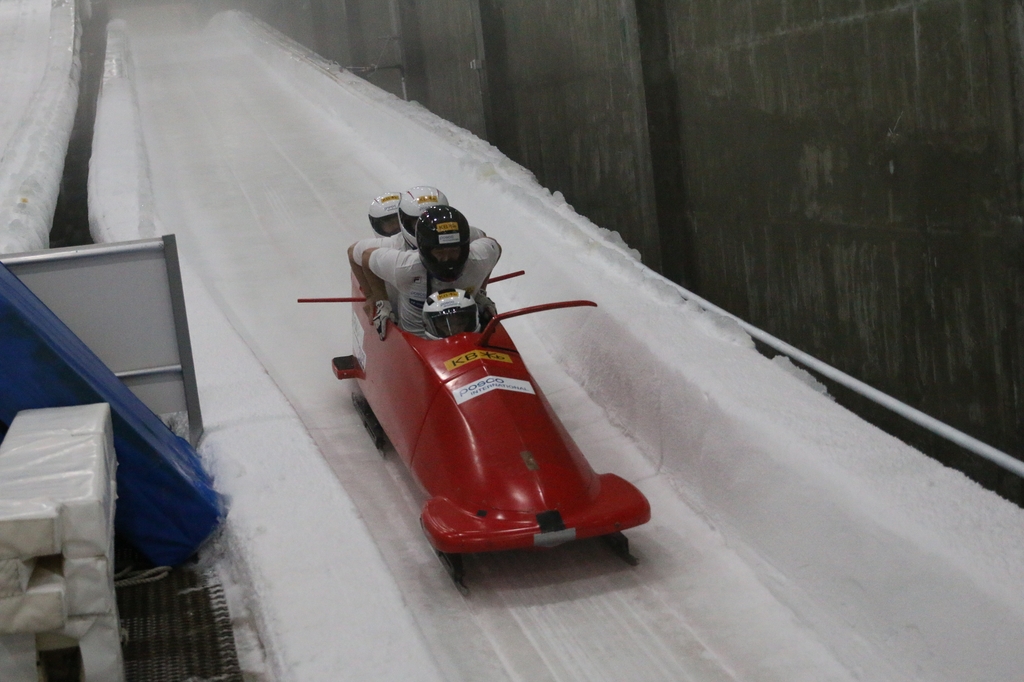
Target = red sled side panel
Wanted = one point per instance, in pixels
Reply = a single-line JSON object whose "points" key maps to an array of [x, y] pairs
{"points": [[397, 385]]}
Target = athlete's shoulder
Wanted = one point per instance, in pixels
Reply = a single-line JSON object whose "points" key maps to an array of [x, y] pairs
{"points": [[485, 248], [363, 245], [395, 264]]}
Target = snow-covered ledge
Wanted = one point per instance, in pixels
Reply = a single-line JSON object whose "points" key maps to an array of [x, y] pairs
{"points": [[32, 164], [120, 192]]}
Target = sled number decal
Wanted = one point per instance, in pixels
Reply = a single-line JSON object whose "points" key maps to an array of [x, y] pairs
{"points": [[488, 384], [472, 355]]}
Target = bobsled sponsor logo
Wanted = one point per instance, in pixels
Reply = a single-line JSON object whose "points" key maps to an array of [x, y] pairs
{"points": [[466, 358], [488, 384], [447, 239], [447, 227]]}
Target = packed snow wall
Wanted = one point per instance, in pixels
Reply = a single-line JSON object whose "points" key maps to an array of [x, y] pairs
{"points": [[32, 163], [771, 461]]}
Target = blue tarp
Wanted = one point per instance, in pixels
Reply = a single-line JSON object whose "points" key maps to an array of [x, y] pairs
{"points": [[166, 504]]}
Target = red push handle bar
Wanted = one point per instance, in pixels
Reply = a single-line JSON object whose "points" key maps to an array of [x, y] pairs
{"points": [[510, 275], [492, 326], [356, 299]]}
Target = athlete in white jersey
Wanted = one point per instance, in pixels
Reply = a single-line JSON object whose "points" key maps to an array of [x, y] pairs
{"points": [[446, 258], [404, 209]]}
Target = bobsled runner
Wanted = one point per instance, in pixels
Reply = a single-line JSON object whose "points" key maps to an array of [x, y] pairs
{"points": [[479, 436]]}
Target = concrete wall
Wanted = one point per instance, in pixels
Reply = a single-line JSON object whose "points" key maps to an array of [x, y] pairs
{"points": [[566, 94], [440, 41], [852, 182], [373, 34]]}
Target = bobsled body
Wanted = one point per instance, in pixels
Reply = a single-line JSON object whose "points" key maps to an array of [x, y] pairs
{"points": [[500, 470]]}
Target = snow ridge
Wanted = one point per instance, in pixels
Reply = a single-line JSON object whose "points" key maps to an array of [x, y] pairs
{"points": [[120, 192], [33, 162]]}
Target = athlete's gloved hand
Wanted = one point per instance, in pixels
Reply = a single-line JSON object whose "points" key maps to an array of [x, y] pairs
{"points": [[381, 316], [486, 307]]}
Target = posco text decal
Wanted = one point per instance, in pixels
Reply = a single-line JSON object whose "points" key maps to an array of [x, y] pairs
{"points": [[488, 384]]}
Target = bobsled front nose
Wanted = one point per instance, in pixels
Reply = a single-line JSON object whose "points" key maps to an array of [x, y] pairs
{"points": [[618, 506]]}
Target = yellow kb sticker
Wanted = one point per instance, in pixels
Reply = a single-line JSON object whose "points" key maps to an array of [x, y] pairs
{"points": [[472, 355]]}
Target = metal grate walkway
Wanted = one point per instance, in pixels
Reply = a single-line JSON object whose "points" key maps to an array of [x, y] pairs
{"points": [[178, 628]]}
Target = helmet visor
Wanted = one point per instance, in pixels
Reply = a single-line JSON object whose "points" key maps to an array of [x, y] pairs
{"points": [[445, 323], [386, 225], [446, 262]]}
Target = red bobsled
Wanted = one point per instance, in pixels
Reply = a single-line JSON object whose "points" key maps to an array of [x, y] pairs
{"points": [[479, 436]]}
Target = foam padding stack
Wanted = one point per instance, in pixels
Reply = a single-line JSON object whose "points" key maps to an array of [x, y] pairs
{"points": [[167, 505], [57, 481]]}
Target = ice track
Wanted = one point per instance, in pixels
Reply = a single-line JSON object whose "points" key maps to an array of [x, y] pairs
{"points": [[265, 189]]}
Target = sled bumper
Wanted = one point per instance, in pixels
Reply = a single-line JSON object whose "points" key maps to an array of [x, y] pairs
{"points": [[454, 530]]}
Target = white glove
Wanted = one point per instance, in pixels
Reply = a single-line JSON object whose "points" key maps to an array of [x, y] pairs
{"points": [[381, 316]]}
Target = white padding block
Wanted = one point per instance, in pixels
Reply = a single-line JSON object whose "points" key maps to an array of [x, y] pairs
{"points": [[18, 658], [99, 640], [65, 455], [77, 420], [28, 528], [90, 586], [14, 576], [41, 607]]}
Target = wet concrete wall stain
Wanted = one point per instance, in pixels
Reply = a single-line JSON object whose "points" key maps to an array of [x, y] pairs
{"points": [[853, 184]]}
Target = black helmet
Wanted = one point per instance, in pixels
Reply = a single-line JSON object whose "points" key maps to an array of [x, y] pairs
{"points": [[442, 237]]}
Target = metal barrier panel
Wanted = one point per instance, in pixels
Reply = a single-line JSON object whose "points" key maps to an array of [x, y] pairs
{"points": [[125, 301], [166, 504]]}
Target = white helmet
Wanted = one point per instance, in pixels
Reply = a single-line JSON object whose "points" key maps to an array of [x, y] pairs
{"points": [[449, 312], [414, 201], [384, 214]]}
